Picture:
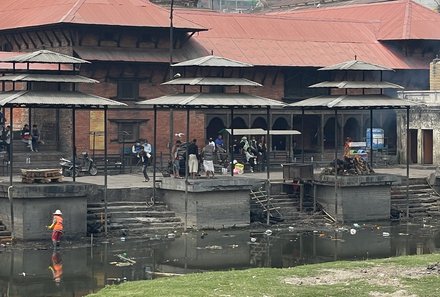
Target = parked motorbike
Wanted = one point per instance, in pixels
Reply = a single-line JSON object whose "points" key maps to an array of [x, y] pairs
{"points": [[84, 164]]}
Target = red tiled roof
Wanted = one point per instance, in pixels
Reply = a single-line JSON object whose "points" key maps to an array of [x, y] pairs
{"points": [[395, 20], [294, 41], [138, 13]]}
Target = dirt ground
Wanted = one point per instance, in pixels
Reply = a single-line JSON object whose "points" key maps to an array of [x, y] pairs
{"points": [[379, 276]]}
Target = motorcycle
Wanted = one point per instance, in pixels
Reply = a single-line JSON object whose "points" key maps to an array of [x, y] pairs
{"points": [[85, 164]]}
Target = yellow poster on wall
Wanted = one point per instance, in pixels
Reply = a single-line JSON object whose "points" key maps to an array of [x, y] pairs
{"points": [[97, 129]]}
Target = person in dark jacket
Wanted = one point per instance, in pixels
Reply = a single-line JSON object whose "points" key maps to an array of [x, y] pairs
{"points": [[193, 162], [144, 161]]}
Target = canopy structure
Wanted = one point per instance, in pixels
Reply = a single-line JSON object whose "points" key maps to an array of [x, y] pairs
{"points": [[212, 101], [45, 56], [209, 100], [212, 61], [69, 98], [57, 99], [212, 81], [259, 131], [357, 85], [354, 102], [356, 65], [36, 77]]}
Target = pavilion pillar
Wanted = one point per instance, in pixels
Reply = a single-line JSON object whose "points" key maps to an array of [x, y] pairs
{"points": [[371, 137], [186, 169], [74, 143], [407, 161], [231, 141], [336, 165], [302, 135], [154, 152], [269, 120]]}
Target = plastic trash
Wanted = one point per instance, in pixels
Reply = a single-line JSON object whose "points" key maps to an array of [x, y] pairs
{"points": [[122, 238], [386, 234], [291, 228], [253, 239], [356, 225], [268, 232], [171, 235], [353, 231]]}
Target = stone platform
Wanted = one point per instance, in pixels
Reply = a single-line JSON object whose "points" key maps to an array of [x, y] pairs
{"points": [[356, 197], [33, 205], [222, 202]]}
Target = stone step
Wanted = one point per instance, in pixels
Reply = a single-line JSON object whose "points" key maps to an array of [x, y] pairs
{"points": [[149, 213], [5, 233], [423, 185], [132, 226], [155, 229], [415, 191], [146, 220], [121, 203], [126, 208]]}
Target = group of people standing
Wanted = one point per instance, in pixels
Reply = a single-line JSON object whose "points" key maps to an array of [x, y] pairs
{"points": [[31, 137], [253, 151], [204, 156]]}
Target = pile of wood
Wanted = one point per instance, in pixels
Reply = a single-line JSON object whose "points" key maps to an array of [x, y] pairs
{"points": [[349, 166], [30, 176]]}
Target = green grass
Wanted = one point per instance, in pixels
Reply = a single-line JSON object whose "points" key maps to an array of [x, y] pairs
{"points": [[270, 282]]}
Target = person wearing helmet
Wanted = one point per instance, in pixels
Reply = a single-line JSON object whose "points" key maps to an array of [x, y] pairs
{"points": [[57, 228]]}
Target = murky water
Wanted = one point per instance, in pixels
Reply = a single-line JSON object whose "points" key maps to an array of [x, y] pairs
{"points": [[77, 271]]}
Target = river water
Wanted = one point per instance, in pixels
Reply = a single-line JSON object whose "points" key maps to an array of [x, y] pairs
{"points": [[76, 269]]}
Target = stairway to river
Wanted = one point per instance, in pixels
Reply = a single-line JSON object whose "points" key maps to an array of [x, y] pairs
{"points": [[48, 156], [5, 235], [287, 206], [133, 218], [423, 200]]}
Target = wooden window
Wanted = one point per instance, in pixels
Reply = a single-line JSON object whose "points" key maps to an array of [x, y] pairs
{"points": [[128, 89], [128, 131]]}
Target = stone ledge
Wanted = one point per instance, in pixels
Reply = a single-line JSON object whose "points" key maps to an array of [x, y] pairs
{"points": [[358, 180], [223, 183]]}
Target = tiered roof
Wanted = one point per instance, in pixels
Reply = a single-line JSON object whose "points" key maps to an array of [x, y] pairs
{"points": [[58, 74], [362, 101]]}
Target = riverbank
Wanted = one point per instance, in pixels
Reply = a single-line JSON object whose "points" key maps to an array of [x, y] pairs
{"points": [[408, 276]]}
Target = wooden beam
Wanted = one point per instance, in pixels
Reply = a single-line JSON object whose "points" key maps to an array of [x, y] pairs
{"points": [[66, 38], [275, 77], [16, 42], [48, 38], [24, 40], [31, 39], [39, 38], [60, 43]]}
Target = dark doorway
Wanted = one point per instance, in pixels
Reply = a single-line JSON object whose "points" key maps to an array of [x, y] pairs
{"points": [[413, 143], [214, 127], [279, 141], [427, 146], [259, 123], [329, 134], [239, 123], [352, 129]]}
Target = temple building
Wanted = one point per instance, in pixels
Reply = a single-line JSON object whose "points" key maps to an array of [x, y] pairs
{"points": [[128, 45]]}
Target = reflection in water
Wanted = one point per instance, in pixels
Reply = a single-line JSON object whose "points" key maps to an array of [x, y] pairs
{"points": [[56, 267], [83, 270]]}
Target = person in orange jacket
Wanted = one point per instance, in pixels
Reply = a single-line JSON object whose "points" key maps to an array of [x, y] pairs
{"points": [[56, 267], [57, 228]]}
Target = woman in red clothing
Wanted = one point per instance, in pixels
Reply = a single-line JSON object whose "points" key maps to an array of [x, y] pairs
{"points": [[57, 227]]}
